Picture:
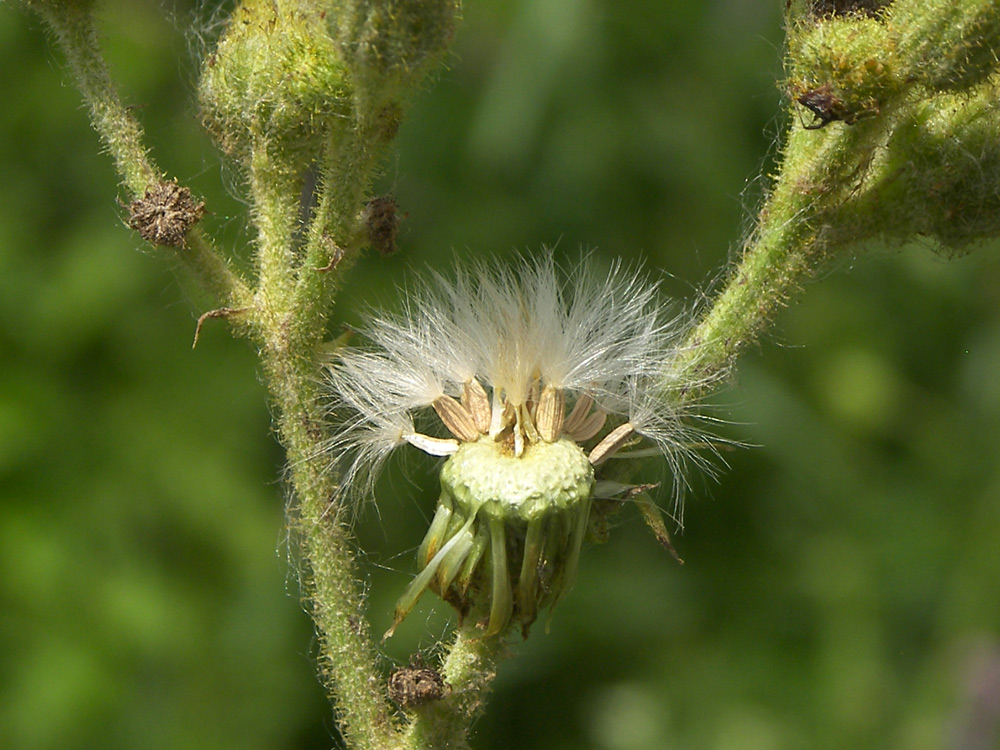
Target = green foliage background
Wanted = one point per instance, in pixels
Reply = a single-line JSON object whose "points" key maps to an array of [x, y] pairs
{"points": [[842, 585]]}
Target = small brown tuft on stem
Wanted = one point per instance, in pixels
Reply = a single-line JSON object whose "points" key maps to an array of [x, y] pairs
{"points": [[381, 217], [222, 312], [165, 213], [336, 254], [825, 105], [410, 687]]}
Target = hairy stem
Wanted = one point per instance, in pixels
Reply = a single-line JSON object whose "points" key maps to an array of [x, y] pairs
{"points": [[121, 133], [336, 601], [335, 236], [275, 193], [820, 170], [290, 337]]}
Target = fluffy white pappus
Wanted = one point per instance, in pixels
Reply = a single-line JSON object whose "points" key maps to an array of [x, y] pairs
{"points": [[513, 331], [675, 432], [361, 444], [529, 321]]}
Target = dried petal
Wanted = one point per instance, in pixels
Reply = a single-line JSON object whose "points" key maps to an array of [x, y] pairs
{"points": [[432, 445]]}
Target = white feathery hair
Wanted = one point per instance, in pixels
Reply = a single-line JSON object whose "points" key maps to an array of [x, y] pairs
{"points": [[509, 326]]}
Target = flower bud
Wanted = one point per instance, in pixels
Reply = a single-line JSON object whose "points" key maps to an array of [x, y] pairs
{"points": [[389, 48], [275, 78], [946, 45], [839, 68], [393, 44]]}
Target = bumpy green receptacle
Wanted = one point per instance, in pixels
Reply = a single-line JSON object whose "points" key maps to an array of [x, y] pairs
{"points": [[506, 536]]}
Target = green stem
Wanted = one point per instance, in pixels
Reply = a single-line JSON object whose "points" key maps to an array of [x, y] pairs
{"points": [[346, 178], [290, 336], [821, 168], [74, 28], [468, 669], [275, 193], [215, 276], [347, 653], [287, 316], [303, 293]]}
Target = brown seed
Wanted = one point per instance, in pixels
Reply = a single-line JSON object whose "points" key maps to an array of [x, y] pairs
{"points": [[474, 399], [550, 414], [610, 443], [456, 418], [590, 426]]}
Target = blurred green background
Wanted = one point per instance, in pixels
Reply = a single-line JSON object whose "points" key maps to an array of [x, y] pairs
{"points": [[842, 585]]}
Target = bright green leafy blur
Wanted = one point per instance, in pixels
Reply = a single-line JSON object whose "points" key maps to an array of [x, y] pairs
{"points": [[842, 583]]}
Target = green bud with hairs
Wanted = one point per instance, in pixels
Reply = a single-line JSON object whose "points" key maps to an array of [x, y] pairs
{"points": [[276, 79]]}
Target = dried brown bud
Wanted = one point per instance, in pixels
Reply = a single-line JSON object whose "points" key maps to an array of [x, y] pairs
{"points": [[165, 213], [411, 687], [381, 217]]}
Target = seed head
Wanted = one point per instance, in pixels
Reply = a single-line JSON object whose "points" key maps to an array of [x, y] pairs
{"points": [[529, 381]]}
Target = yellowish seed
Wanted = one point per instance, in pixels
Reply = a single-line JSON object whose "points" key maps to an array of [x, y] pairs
{"points": [[578, 413], [474, 399], [589, 427], [456, 418]]}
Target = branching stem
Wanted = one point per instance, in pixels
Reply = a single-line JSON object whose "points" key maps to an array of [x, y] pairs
{"points": [[121, 133]]}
